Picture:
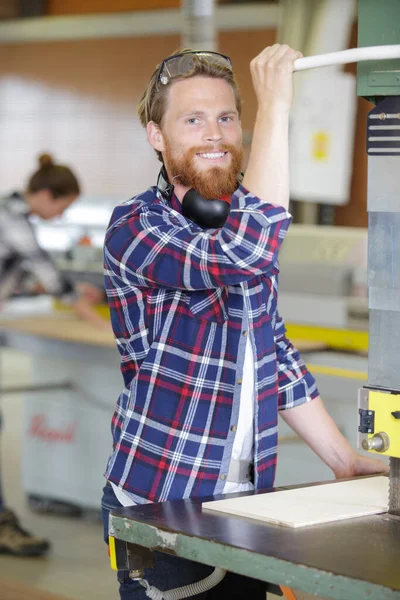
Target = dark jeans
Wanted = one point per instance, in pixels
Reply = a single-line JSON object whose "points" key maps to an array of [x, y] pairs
{"points": [[171, 571]]}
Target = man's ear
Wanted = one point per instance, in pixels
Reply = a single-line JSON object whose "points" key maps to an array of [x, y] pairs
{"points": [[155, 136]]}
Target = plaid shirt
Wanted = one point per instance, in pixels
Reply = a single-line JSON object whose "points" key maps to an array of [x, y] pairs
{"points": [[181, 319], [20, 253]]}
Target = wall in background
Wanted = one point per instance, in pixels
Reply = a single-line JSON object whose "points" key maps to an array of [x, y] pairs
{"points": [[77, 100], [76, 7]]}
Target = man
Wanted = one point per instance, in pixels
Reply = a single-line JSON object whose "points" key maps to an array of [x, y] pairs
{"points": [[24, 265], [204, 356]]}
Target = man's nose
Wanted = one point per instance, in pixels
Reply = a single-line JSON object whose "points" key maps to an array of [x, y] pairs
{"points": [[213, 132]]}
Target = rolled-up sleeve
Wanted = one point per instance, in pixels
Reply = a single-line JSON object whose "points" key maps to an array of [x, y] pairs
{"points": [[296, 385], [149, 246]]}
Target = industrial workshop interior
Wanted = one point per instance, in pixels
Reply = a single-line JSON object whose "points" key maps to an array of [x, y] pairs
{"points": [[165, 431]]}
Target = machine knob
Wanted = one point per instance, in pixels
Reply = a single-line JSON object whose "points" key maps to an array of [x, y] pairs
{"points": [[379, 442]]}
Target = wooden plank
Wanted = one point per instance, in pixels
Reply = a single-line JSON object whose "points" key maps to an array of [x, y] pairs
{"points": [[67, 327], [311, 505], [64, 327]]}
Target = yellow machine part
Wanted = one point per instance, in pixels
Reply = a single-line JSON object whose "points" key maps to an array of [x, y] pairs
{"points": [[101, 309], [383, 404], [338, 339], [112, 553]]}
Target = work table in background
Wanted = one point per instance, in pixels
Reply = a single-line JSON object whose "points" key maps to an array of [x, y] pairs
{"points": [[76, 370]]}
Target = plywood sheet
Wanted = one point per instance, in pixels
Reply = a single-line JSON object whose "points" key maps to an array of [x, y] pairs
{"points": [[59, 326], [312, 505]]}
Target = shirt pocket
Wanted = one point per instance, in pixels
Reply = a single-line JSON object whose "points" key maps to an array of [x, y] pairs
{"points": [[210, 305]]}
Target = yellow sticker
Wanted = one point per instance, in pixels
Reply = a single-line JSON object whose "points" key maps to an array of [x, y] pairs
{"points": [[320, 145]]}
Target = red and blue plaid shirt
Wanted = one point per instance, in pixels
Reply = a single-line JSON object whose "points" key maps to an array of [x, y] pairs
{"points": [[183, 301]]}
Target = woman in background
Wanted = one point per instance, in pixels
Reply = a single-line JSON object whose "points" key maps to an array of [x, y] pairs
{"points": [[50, 191]]}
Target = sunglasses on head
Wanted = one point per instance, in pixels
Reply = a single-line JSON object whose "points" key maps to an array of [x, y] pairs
{"points": [[183, 63]]}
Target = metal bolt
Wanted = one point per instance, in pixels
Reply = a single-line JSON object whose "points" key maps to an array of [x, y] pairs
{"points": [[380, 442], [370, 412], [136, 574], [369, 430], [382, 116]]}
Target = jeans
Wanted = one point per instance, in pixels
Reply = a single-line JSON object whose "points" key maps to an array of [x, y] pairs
{"points": [[170, 572]]}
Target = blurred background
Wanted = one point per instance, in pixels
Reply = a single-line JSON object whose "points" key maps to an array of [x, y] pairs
{"points": [[71, 75]]}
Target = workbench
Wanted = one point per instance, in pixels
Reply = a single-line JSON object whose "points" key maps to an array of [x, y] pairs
{"points": [[69, 394], [75, 378], [358, 559]]}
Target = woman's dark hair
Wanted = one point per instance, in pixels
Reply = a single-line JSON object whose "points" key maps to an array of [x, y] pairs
{"points": [[59, 179]]}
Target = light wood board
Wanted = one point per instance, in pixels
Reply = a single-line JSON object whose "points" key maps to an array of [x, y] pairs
{"points": [[64, 327], [312, 505]]}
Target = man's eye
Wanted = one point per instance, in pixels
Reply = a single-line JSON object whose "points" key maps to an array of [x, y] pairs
{"points": [[193, 120], [226, 119]]}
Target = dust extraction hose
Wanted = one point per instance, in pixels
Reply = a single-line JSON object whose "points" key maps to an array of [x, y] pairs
{"points": [[344, 57], [186, 591]]}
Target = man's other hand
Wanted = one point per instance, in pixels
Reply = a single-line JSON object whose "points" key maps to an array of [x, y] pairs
{"points": [[91, 293], [361, 465]]}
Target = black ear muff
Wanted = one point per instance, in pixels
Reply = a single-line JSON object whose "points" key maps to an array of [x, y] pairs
{"points": [[211, 214]]}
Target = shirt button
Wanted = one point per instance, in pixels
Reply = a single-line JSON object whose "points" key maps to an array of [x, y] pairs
{"points": [[223, 477], [233, 428], [239, 382], [245, 333]]}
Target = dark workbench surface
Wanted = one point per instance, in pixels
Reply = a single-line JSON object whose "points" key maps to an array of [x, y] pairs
{"points": [[348, 560]]}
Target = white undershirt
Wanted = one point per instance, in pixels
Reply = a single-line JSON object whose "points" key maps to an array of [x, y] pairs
{"points": [[243, 445]]}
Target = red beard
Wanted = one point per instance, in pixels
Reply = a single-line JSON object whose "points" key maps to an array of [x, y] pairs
{"points": [[215, 182]]}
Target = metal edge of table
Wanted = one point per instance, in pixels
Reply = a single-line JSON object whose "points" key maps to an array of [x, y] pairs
{"points": [[144, 525]]}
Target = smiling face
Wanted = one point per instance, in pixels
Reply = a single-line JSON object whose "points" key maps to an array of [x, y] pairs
{"points": [[200, 137]]}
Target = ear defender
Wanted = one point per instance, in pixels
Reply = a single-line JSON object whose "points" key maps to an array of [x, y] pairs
{"points": [[211, 214]]}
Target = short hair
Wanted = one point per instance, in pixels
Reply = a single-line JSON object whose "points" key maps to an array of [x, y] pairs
{"points": [[153, 103]]}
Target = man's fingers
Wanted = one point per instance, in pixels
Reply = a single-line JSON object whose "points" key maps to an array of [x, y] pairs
{"points": [[264, 55], [272, 55]]}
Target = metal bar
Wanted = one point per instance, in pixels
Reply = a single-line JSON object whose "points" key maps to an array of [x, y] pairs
{"points": [[344, 57], [394, 486], [199, 28]]}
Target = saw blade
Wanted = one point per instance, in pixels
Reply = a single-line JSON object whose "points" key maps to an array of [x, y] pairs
{"points": [[394, 486]]}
